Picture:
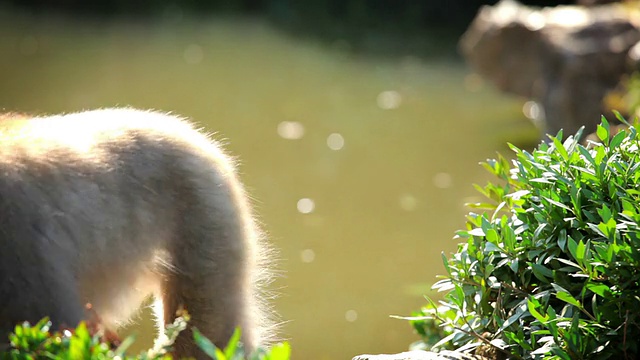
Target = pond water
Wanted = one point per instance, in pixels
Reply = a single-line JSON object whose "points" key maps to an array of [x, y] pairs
{"points": [[359, 165]]}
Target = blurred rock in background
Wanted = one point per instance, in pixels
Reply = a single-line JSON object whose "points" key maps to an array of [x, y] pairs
{"points": [[565, 58]]}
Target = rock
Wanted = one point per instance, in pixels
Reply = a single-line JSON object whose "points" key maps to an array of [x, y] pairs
{"points": [[633, 57], [595, 2], [565, 58]]}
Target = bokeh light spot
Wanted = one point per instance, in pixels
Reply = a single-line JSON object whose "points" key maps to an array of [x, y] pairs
{"points": [[388, 100], [408, 202], [351, 315], [335, 141], [307, 255], [531, 110], [306, 206], [442, 180], [291, 130]]}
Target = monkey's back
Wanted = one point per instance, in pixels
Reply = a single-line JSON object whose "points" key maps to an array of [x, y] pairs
{"points": [[94, 136], [107, 158]]}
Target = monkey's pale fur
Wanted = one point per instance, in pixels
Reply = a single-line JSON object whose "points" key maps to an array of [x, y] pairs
{"points": [[109, 206]]}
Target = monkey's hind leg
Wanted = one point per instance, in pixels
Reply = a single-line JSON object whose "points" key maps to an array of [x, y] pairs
{"points": [[213, 260]]}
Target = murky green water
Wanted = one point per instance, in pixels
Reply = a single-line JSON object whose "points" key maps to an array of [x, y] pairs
{"points": [[359, 165]]}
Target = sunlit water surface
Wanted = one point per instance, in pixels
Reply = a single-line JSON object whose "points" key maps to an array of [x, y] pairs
{"points": [[359, 165]]}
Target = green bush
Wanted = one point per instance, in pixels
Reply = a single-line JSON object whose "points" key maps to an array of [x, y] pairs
{"points": [[550, 268], [87, 342]]}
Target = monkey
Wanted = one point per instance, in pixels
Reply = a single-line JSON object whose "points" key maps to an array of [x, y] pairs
{"points": [[110, 206]]}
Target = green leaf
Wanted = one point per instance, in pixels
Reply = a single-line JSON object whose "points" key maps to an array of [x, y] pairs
{"points": [[207, 346], [491, 247], [601, 290], [514, 265], [558, 204], [233, 344], [562, 239], [603, 131], [579, 252], [445, 261], [620, 118], [124, 345], [280, 351], [617, 139], [541, 272], [605, 213], [587, 156], [532, 307], [492, 236], [570, 263], [566, 297], [573, 247], [560, 148]]}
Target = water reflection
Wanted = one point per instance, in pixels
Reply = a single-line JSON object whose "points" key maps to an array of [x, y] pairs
{"points": [[389, 100], [306, 206], [408, 202], [360, 205], [307, 255], [442, 180], [291, 130], [351, 315], [335, 141]]}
